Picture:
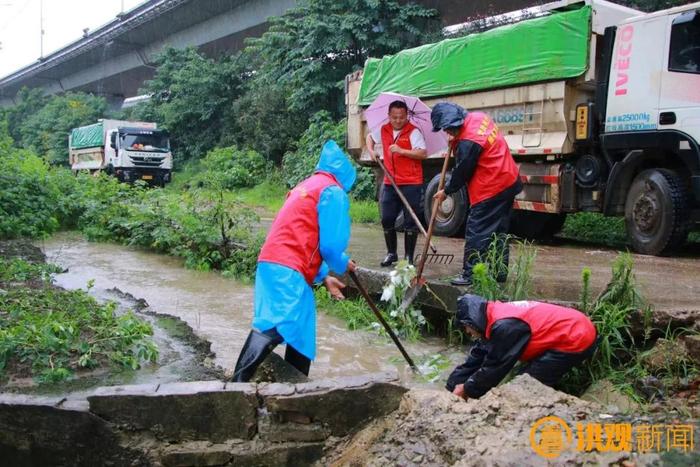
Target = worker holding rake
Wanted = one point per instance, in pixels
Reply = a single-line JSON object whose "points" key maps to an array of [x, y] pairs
{"points": [[485, 165]]}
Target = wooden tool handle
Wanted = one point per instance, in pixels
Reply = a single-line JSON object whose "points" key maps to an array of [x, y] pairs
{"points": [[433, 216]]}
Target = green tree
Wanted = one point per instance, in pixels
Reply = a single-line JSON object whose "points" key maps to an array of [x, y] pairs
{"points": [[6, 142], [314, 46], [298, 66], [260, 119], [189, 96], [299, 164], [46, 131], [28, 103]]}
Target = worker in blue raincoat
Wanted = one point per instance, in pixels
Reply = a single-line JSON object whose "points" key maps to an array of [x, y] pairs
{"points": [[307, 239]]}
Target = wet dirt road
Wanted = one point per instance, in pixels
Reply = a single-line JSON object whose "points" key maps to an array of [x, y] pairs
{"points": [[667, 283]]}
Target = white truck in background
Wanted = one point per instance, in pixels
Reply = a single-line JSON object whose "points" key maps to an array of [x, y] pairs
{"points": [[128, 150], [621, 137]]}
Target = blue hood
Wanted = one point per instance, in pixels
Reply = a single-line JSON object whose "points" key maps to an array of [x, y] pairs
{"points": [[447, 115], [334, 161]]}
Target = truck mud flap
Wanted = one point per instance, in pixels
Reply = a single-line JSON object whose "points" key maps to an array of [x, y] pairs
{"points": [[540, 188]]}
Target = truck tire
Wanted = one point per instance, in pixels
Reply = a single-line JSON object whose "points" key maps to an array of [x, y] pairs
{"points": [[532, 225], [657, 212], [452, 213]]}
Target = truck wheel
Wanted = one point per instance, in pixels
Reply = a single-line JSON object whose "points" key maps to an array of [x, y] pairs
{"points": [[452, 213], [533, 225], [657, 212]]}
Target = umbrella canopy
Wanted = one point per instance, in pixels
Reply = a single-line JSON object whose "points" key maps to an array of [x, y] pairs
{"points": [[377, 115]]}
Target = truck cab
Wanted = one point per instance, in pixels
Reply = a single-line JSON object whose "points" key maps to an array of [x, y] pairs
{"points": [[650, 127], [140, 154]]}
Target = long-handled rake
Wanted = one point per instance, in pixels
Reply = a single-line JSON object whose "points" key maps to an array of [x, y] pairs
{"points": [[434, 257], [412, 293]]}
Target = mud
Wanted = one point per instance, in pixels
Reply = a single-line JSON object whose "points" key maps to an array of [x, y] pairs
{"points": [[435, 428], [668, 283], [22, 249]]}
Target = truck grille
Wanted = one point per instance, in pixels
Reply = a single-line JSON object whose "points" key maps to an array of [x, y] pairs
{"points": [[147, 161]]}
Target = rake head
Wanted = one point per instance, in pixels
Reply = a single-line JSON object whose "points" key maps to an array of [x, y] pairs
{"points": [[436, 258]]}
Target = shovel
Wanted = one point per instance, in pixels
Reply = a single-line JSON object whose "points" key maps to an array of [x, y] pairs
{"points": [[419, 281], [381, 319]]}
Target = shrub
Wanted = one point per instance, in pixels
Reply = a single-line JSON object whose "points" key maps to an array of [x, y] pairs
{"points": [[29, 201], [231, 168], [50, 332], [594, 227], [299, 164]]}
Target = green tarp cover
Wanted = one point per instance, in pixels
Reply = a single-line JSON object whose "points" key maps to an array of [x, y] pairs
{"points": [[87, 137], [547, 48]]}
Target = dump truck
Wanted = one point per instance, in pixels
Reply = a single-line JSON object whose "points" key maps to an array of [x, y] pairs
{"points": [[128, 150], [599, 104]]}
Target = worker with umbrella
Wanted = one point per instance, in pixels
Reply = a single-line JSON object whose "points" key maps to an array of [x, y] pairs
{"points": [[396, 122]]}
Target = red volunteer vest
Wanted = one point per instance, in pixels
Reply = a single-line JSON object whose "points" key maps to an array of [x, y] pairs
{"points": [[406, 171], [496, 169], [552, 327], [293, 240]]}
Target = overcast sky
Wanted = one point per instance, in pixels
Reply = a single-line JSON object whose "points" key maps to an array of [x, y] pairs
{"points": [[64, 21]]}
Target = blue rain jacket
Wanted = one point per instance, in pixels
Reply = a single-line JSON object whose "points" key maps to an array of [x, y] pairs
{"points": [[283, 299]]}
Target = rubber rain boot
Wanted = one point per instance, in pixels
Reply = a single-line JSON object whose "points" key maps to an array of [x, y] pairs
{"points": [[409, 245], [297, 360], [256, 348], [391, 256]]}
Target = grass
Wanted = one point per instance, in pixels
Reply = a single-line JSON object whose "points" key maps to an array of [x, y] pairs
{"points": [[49, 333], [620, 356], [354, 312], [596, 228], [271, 194], [184, 175], [268, 195], [408, 325], [592, 227], [486, 272], [364, 212]]}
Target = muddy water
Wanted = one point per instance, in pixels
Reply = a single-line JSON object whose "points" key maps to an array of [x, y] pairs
{"points": [[218, 309]]}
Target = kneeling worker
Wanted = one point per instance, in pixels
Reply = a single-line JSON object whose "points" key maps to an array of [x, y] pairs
{"points": [[549, 339]]}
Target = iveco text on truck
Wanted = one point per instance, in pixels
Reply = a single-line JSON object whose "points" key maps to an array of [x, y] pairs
{"points": [[599, 103]]}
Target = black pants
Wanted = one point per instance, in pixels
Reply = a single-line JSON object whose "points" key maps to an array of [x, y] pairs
{"points": [[486, 219], [392, 206], [552, 365], [291, 355]]}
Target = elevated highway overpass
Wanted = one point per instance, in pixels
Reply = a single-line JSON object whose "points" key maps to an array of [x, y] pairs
{"points": [[114, 60]]}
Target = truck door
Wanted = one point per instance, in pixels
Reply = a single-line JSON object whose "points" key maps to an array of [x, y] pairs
{"points": [[111, 146], [679, 102], [633, 90]]}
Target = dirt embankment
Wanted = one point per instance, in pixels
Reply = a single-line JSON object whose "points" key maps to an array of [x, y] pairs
{"points": [[436, 428]]}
